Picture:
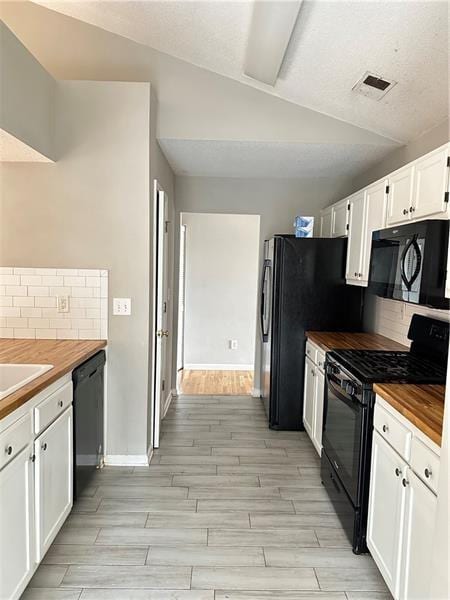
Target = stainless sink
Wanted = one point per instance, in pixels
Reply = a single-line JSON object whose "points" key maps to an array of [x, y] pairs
{"points": [[13, 377]]}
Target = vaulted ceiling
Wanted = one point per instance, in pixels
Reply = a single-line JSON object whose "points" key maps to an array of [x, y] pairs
{"points": [[216, 120]]}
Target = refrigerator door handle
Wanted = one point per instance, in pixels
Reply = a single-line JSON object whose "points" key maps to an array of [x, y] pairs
{"points": [[264, 333]]}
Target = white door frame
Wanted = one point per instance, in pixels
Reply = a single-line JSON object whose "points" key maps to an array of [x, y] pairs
{"points": [[181, 298], [160, 303]]}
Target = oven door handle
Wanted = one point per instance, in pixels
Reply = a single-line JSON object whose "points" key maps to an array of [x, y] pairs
{"points": [[348, 400]]}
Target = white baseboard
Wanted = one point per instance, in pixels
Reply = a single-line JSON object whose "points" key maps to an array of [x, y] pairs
{"points": [[217, 367], [169, 398], [256, 393], [126, 460]]}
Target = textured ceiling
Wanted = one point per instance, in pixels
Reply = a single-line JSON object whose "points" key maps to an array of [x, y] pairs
{"points": [[333, 45], [214, 158]]}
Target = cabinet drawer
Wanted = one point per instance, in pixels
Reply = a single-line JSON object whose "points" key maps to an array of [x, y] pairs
{"points": [[14, 439], [311, 352], [51, 407], [398, 436], [425, 463]]}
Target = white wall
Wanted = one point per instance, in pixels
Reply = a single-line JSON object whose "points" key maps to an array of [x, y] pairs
{"points": [[275, 201], [92, 208], [222, 264], [27, 95]]}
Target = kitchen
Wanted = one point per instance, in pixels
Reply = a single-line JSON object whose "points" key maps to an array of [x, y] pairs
{"points": [[228, 507]]}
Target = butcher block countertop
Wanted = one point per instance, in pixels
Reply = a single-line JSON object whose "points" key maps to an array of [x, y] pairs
{"points": [[64, 355], [422, 405], [336, 340]]}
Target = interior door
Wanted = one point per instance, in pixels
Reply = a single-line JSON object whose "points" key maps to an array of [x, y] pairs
{"points": [[161, 310]]}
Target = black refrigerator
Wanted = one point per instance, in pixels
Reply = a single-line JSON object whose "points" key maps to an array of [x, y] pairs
{"points": [[302, 289]]}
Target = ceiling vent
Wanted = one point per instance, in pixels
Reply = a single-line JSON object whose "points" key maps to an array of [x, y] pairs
{"points": [[373, 86]]}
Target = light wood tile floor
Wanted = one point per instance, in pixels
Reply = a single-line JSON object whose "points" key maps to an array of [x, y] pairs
{"points": [[226, 383], [228, 510]]}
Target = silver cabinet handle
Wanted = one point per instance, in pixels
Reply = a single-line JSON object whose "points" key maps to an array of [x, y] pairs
{"points": [[428, 473], [8, 450]]}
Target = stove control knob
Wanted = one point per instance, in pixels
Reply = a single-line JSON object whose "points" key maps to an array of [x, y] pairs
{"points": [[350, 388]]}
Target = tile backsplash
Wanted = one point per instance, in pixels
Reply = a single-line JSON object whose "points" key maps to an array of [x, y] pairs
{"points": [[29, 303], [391, 318]]}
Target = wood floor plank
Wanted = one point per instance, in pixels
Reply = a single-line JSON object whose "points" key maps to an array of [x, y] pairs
{"points": [[205, 556], [215, 382], [92, 555], [254, 578], [128, 577]]}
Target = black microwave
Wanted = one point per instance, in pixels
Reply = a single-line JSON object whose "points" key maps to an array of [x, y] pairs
{"points": [[409, 263]]}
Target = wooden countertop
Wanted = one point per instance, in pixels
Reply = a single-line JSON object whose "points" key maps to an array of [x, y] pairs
{"points": [[423, 405], [64, 355], [336, 340]]}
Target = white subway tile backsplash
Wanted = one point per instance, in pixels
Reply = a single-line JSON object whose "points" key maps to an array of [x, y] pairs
{"points": [[75, 281], [9, 279], [24, 301], [30, 280], [28, 303], [15, 290], [38, 290]]}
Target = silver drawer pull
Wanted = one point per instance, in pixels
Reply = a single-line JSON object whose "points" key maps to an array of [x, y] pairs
{"points": [[385, 428], [8, 450], [428, 473]]}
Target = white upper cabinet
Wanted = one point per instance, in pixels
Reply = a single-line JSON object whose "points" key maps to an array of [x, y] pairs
{"points": [[400, 195], [376, 204], [326, 216], [356, 237], [431, 185], [339, 219]]}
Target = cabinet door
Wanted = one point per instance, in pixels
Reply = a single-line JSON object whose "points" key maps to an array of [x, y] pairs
{"points": [[400, 195], [386, 510], [447, 280], [376, 201], [325, 223], [430, 184], [355, 248], [339, 219], [308, 397], [54, 470], [16, 525], [319, 390], [418, 547]]}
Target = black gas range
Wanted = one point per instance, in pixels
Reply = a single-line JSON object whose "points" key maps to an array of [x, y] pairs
{"points": [[348, 413]]}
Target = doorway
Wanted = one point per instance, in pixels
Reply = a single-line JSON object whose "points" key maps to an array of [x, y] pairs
{"points": [[218, 303]]}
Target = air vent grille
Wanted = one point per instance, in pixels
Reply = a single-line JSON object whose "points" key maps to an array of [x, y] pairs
{"points": [[373, 86]]}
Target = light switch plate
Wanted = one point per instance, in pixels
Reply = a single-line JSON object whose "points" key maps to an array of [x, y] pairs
{"points": [[122, 307], [62, 303]]}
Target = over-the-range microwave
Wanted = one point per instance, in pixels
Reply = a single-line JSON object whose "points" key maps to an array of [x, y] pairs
{"points": [[409, 263]]}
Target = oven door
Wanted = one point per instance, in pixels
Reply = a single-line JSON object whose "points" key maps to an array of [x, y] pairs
{"points": [[342, 436]]}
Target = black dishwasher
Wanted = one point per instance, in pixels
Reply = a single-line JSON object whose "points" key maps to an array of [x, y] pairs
{"points": [[88, 392]]}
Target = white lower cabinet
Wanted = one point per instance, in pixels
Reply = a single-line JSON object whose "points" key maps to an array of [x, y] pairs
{"points": [[308, 397], [35, 486], [386, 510], [314, 389], [53, 450], [420, 513], [402, 509], [17, 559]]}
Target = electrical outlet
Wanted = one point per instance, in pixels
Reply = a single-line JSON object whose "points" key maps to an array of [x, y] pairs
{"points": [[233, 344], [62, 303], [122, 307]]}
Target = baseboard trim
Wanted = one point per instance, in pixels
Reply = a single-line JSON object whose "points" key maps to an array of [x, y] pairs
{"points": [[149, 454], [167, 403], [256, 393], [218, 367], [126, 460]]}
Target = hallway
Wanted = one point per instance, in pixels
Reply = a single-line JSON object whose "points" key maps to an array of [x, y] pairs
{"points": [[228, 510], [210, 383]]}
